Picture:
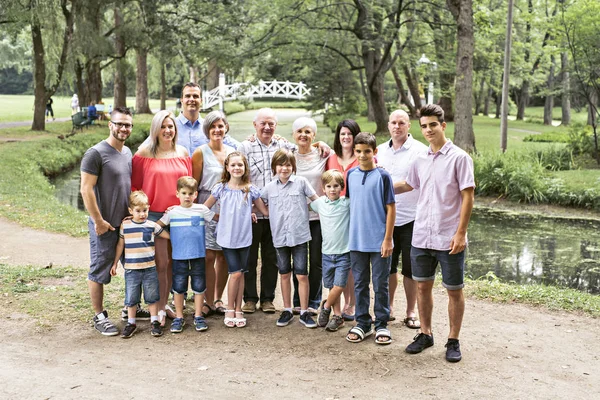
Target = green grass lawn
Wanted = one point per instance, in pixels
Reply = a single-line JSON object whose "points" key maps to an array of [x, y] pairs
{"points": [[16, 108]]}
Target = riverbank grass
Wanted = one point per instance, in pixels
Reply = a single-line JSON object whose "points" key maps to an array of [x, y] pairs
{"points": [[554, 298]]}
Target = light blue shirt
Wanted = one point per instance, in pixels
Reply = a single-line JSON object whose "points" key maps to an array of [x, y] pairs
{"points": [[187, 230], [288, 213], [335, 223], [234, 229]]}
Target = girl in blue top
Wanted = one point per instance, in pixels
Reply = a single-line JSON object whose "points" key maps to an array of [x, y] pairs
{"points": [[234, 229]]}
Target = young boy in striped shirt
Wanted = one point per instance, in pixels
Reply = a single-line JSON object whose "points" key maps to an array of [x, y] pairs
{"points": [[136, 238]]}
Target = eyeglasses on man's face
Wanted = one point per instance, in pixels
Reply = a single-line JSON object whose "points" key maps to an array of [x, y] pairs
{"points": [[120, 125]]}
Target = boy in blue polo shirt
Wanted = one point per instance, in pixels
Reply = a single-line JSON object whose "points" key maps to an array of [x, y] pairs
{"points": [[372, 217], [187, 231]]}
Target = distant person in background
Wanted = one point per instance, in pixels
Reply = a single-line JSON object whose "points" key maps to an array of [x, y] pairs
{"points": [[75, 104], [49, 110], [92, 115]]}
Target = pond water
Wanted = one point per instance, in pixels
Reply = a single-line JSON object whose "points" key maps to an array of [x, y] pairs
{"points": [[514, 247]]}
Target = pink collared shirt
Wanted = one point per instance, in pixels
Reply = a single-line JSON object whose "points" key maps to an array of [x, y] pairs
{"points": [[440, 176]]}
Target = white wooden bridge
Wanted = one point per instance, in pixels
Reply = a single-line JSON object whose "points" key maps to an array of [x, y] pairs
{"points": [[223, 93]]}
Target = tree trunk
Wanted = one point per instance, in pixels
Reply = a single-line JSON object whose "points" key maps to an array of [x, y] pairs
{"points": [[488, 97], [522, 99], [402, 93], [81, 92], [375, 89], [39, 108], [120, 87], [480, 96], [549, 103], [464, 137], [163, 87], [566, 90], [365, 93], [212, 75], [193, 74], [592, 105], [413, 86], [141, 83], [445, 101], [94, 84]]}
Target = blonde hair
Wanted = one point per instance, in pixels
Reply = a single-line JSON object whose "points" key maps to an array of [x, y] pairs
{"points": [[156, 126], [187, 182], [138, 199], [333, 175]]}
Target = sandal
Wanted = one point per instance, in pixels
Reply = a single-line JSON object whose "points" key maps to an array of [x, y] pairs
{"points": [[208, 313], [384, 334], [219, 309], [240, 322], [170, 313], [358, 331], [412, 322], [229, 322]]}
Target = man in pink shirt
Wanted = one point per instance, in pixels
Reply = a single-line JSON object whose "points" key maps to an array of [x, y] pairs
{"points": [[445, 179]]}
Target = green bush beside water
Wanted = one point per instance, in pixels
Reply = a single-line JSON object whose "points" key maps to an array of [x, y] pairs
{"points": [[26, 195]]}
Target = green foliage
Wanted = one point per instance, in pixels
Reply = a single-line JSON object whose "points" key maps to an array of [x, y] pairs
{"points": [[580, 139], [548, 137], [554, 298], [26, 195]]}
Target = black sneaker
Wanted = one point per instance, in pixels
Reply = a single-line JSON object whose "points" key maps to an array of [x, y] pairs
{"points": [[307, 320], [323, 318], [156, 329], [284, 318], [421, 342], [453, 350], [140, 314], [104, 326], [128, 331]]}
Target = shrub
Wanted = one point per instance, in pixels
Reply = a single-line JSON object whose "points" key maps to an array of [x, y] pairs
{"points": [[548, 137], [580, 139]]}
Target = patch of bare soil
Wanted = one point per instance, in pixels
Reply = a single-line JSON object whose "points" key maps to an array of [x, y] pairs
{"points": [[510, 351]]}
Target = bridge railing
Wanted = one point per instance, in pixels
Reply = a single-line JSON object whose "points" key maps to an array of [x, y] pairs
{"points": [[277, 89]]}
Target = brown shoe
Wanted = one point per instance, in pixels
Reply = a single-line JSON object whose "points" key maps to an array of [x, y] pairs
{"points": [[249, 307], [268, 307]]}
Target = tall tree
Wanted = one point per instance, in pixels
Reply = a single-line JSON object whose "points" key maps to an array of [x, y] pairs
{"points": [[464, 137]]}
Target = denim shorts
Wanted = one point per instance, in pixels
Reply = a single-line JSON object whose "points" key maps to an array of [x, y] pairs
{"points": [[425, 261], [195, 270], [237, 259], [335, 269], [102, 254], [298, 253], [138, 280]]}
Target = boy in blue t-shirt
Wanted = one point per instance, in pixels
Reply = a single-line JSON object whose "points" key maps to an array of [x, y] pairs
{"points": [[372, 217], [187, 223]]}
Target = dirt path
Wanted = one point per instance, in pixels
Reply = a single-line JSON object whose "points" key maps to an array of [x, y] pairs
{"points": [[509, 352]]}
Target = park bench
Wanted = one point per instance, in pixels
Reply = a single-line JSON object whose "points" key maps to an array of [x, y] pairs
{"points": [[79, 121]]}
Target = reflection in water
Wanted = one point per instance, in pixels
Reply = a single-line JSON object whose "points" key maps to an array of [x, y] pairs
{"points": [[516, 248], [522, 249]]}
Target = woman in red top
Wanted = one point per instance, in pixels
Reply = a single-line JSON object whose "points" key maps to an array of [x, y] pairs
{"points": [[343, 144], [344, 160], [155, 170]]}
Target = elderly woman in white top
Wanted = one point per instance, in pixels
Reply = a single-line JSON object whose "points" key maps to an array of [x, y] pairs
{"points": [[207, 168], [310, 165]]}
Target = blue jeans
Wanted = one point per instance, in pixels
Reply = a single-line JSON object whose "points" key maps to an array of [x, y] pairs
{"points": [[195, 270], [425, 261], [237, 259], [136, 280], [361, 268], [335, 270], [299, 255]]}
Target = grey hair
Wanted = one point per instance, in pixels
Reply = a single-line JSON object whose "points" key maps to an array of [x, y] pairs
{"points": [[265, 110], [156, 126], [210, 119], [304, 121]]}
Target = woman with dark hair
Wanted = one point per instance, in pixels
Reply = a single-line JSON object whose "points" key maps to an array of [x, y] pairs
{"points": [[343, 144], [344, 160]]}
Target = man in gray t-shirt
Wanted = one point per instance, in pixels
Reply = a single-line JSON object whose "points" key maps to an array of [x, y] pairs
{"points": [[105, 188]]}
